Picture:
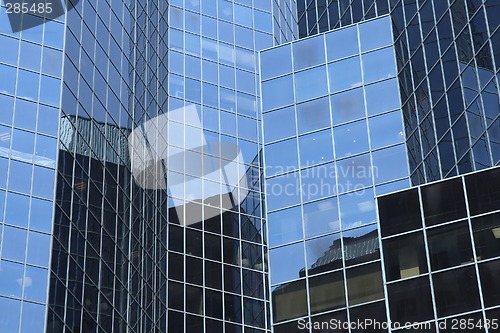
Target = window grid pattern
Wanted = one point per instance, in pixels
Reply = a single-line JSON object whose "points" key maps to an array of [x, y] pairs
{"points": [[311, 137], [30, 88], [449, 245], [447, 53]]}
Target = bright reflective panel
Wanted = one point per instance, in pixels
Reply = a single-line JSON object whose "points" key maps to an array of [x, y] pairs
{"points": [[283, 191], [321, 217], [386, 129], [378, 65], [316, 148], [390, 164], [357, 209], [276, 62], [376, 33], [313, 115], [311, 83], [342, 43], [281, 157], [277, 92], [354, 173], [347, 106], [382, 96], [308, 52], [279, 124], [285, 226], [351, 139], [345, 74], [282, 268], [318, 182]]}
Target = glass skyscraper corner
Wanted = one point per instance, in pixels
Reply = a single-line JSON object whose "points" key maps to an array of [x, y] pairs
{"points": [[333, 139]]}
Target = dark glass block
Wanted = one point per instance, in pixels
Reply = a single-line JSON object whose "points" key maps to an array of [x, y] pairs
{"points": [[194, 324], [443, 202], [483, 191], [213, 274], [493, 322], [336, 321], [450, 245], [289, 301], [410, 300], [291, 326], [175, 266], [213, 303], [399, 212], [326, 292], [194, 270], [364, 283], [456, 291], [487, 236], [489, 273], [194, 300], [404, 256], [374, 312]]}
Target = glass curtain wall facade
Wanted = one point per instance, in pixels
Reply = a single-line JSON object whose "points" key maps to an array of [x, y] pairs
{"points": [[333, 139], [440, 245], [31, 56], [447, 56], [158, 206]]}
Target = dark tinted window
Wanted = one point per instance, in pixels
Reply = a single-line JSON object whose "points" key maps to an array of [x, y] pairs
{"points": [[404, 256], [443, 202], [399, 212], [487, 236], [456, 291], [489, 273], [327, 292], [410, 300], [374, 311], [453, 324], [338, 317], [289, 300], [483, 191], [450, 245], [364, 283]]}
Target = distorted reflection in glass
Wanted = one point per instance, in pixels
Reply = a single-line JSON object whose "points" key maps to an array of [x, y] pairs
{"points": [[357, 209], [361, 245], [321, 217], [324, 253]]}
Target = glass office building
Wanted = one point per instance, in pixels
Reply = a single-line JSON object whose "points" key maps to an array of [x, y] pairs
{"points": [[440, 245], [131, 159], [447, 56], [333, 139]]}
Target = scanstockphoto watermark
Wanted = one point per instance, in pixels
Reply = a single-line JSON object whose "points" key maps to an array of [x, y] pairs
{"points": [[368, 325], [321, 181]]}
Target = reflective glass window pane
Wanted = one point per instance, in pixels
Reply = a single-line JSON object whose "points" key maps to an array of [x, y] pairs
{"points": [[17, 209], [342, 43], [345, 74], [6, 53], [33, 319], [276, 61], [321, 217], [50, 90], [323, 254], [313, 115], [382, 96], [444, 202], [10, 274], [14, 243], [10, 309], [347, 106], [448, 300], [351, 139], [279, 124], [25, 116], [316, 148], [289, 300], [449, 245], [8, 83], [483, 191], [311, 83], [37, 289], [487, 236], [282, 268], [19, 177], [365, 238], [390, 164], [277, 92], [327, 292], [318, 182], [354, 173], [399, 212], [281, 157], [38, 249], [7, 103], [378, 65], [386, 130], [357, 209], [27, 84], [284, 226], [376, 33], [283, 191], [29, 56], [404, 256], [392, 187], [364, 283], [308, 52], [410, 300], [43, 182]]}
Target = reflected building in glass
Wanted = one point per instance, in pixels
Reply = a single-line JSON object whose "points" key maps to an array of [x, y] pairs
{"points": [[131, 194], [333, 140]]}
